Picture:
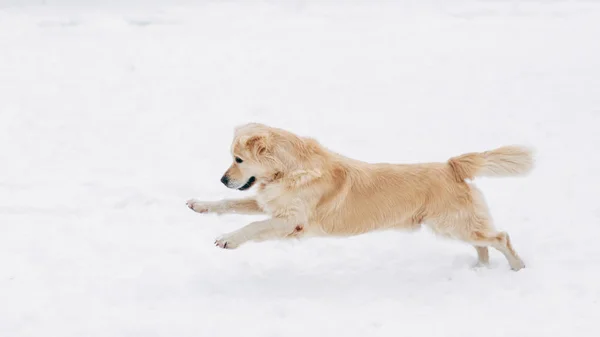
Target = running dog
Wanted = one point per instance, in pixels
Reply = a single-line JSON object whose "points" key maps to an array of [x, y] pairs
{"points": [[309, 190]]}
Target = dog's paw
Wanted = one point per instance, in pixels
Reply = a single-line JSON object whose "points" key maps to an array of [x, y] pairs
{"points": [[227, 242], [198, 206], [517, 265], [480, 265]]}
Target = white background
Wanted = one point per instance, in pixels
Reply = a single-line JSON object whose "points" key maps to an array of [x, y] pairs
{"points": [[113, 114]]}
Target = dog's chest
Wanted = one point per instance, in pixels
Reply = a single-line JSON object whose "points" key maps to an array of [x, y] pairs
{"points": [[274, 200]]}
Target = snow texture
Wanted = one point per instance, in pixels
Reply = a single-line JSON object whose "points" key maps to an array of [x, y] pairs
{"points": [[114, 113]]}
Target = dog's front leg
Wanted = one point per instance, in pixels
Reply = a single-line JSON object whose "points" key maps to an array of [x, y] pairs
{"points": [[239, 206], [270, 229]]}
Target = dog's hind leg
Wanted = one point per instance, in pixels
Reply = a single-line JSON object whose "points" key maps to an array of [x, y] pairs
{"points": [[500, 241], [483, 255], [479, 233], [472, 224]]}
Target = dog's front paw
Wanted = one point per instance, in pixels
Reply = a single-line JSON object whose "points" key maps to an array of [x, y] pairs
{"points": [[199, 206], [227, 241]]}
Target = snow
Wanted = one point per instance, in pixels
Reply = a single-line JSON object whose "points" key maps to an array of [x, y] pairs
{"points": [[113, 114]]}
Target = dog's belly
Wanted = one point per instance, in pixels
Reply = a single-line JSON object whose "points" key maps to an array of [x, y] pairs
{"points": [[378, 211], [348, 225]]}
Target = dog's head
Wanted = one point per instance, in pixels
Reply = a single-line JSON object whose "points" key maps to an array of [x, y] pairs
{"points": [[252, 157], [260, 153]]}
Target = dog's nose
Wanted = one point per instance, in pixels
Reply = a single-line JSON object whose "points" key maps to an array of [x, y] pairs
{"points": [[225, 180]]}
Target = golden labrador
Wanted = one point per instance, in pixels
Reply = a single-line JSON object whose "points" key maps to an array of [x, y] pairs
{"points": [[307, 190]]}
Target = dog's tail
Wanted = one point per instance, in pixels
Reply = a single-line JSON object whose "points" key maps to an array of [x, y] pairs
{"points": [[501, 162]]}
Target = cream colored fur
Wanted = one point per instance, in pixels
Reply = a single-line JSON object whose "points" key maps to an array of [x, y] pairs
{"points": [[308, 190]]}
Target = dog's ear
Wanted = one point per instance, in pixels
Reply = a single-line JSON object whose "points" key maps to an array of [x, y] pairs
{"points": [[257, 144]]}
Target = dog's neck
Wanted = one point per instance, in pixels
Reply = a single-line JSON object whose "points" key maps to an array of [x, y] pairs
{"points": [[303, 170], [276, 176], [295, 178]]}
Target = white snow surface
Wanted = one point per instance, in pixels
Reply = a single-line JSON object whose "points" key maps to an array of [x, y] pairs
{"points": [[113, 114]]}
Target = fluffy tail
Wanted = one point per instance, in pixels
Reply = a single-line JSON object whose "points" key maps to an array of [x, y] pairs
{"points": [[502, 162]]}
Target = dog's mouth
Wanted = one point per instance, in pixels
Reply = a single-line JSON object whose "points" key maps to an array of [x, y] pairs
{"points": [[248, 184]]}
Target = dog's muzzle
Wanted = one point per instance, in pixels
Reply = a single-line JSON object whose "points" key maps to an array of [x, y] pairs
{"points": [[248, 184]]}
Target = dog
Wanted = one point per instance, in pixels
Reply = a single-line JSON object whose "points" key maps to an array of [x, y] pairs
{"points": [[309, 190]]}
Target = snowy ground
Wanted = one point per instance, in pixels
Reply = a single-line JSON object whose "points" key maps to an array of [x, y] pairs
{"points": [[113, 115]]}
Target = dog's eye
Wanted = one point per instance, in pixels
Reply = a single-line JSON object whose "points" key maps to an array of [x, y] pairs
{"points": [[238, 160]]}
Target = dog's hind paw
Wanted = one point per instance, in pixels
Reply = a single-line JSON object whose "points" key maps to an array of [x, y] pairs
{"points": [[517, 265]]}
